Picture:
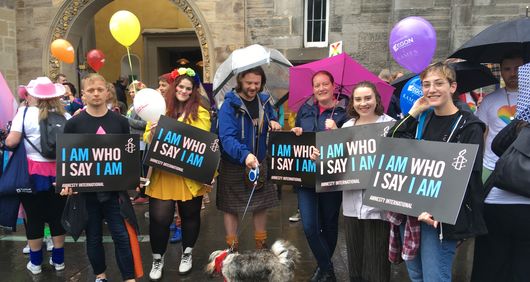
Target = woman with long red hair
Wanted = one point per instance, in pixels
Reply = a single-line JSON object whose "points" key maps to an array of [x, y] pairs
{"points": [[182, 104]]}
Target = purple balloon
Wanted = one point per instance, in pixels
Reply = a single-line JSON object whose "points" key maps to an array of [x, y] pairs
{"points": [[412, 43]]}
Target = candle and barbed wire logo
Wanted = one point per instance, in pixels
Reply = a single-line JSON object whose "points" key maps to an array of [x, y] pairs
{"points": [[460, 161], [129, 147], [215, 145]]}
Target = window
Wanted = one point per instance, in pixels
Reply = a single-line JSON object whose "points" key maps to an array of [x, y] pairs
{"points": [[316, 23]]}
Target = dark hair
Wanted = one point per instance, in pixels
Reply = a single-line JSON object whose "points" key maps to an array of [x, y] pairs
{"points": [[257, 71], [190, 108], [511, 55], [72, 88], [379, 109], [324, 72]]}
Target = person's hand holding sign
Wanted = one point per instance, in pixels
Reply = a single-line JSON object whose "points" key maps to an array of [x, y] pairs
{"points": [[315, 153], [428, 218], [274, 125], [297, 131]]}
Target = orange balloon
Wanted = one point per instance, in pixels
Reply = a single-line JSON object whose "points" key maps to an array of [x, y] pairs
{"points": [[63, 50]]}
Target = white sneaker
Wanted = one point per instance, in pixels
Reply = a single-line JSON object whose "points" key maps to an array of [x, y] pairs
{"points": [[49, 243], [156, 268], [58, 266], [26, 249], [295, 217], [35, 269], [185, 261]]}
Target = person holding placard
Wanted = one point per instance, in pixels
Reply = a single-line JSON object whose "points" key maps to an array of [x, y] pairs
{"points": [[320, 211], [428, 246], [366, 228], [113, 207], [166, 189], [42, 204], [244, 120]]}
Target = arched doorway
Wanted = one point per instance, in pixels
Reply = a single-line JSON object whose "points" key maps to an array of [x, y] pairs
{"points": [[74, 16]]}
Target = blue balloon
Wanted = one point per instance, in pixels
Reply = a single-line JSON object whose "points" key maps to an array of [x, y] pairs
{"points": [[411, 92]]}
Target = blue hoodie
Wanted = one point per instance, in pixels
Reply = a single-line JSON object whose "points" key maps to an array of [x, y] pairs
{"points": [[236, 130]]}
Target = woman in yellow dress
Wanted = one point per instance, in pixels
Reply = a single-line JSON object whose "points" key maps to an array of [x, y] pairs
{"points": [[182, 103]]}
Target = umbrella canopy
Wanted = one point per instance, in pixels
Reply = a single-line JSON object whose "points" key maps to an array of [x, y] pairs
{"points": [[347, 73], [493, 43], [275, 65], [8, 104], [469, 76]]}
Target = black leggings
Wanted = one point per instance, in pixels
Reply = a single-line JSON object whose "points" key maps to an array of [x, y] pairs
{"points": [[161, 214], [40, 208]]}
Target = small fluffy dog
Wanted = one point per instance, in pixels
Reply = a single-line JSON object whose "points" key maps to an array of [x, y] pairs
{"points": [[276, 264]]}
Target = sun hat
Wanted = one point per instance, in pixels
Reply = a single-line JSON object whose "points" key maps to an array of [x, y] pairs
{"points": [[43, 88]]}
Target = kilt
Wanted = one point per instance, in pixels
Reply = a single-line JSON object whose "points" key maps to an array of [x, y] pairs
{"points": [[232, 194]]}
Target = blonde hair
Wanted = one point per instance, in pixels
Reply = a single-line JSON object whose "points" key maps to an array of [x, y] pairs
{"points": [[442, 68], [50, 105], [91, 78]]}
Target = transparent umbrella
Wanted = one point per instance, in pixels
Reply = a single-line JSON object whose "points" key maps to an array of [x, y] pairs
{"points": [[275, 65]]}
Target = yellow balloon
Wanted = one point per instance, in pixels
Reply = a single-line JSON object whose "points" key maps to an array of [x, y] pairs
{"points": [[124, 27]]}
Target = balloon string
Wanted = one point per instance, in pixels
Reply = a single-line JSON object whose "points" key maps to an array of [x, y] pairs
{"points": [[130, 65]]}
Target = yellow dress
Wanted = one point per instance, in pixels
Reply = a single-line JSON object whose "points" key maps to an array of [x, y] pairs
{"points": [[169, 186]]}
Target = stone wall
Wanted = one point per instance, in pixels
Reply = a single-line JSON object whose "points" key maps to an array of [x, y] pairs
{"points": [[8, 44], [33, 20], [363, 26]]}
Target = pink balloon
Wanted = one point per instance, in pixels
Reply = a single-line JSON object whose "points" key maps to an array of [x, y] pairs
{"points": [[412, 43]]}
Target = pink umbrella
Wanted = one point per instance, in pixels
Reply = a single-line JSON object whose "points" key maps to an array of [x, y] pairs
{"points": [[8, 106], [346, 72]]}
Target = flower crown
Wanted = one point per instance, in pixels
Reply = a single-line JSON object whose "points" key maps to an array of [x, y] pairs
{"points": [[181, 71]]}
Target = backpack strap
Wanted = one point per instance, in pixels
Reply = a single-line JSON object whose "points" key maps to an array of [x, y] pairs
{"points": [[24, 132]]}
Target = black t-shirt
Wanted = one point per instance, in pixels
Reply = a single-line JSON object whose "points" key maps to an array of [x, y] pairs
{"points": [[439, 127], [252, 107], [111, 123]]}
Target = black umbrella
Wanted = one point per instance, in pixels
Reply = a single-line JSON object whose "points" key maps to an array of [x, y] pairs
{"points": [[493, 43], [398, 83], [469, 76]]}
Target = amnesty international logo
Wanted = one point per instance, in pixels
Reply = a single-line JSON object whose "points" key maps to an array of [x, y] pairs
{"points": [[460, 161], [129, 148], [215, 145], [385, 131]]}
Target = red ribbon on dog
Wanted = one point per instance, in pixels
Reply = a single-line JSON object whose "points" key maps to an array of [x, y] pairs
{"points": [[219, 261]]}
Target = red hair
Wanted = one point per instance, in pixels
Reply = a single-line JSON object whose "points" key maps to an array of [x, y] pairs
{"points": [[190, 108]]}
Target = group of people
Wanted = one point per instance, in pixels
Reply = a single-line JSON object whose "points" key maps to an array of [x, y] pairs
{"points": [[374, 237]]}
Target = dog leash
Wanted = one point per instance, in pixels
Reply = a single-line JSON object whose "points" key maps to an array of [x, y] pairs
{"points": [[253, 176]]}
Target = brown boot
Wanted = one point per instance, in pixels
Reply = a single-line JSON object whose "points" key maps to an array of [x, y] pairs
{"points": [[261, 240], [232, 243]]}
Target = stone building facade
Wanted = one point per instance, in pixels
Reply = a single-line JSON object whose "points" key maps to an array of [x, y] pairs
{"points": [[27, 27]]}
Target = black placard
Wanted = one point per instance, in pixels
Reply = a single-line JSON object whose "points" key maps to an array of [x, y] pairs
{"points": [[95, 162], [289, 158], [185, 150], [414, 176], [347, 156]]}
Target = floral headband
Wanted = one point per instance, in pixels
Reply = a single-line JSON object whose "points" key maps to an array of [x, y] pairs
{"points": [[185, 71]]}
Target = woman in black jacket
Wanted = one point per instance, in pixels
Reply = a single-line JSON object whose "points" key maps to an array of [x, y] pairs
{"points": [[504, 253]]}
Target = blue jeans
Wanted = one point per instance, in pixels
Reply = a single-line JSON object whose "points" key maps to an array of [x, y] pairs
{"points": [[110, 211], [434, 260], [320, 218]]}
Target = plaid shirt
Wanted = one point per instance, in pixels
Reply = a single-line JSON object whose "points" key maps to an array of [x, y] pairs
{"points": [[407, 249]]}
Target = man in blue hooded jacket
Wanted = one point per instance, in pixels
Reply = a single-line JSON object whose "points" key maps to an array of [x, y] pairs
{"points": [[244, 120]]}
